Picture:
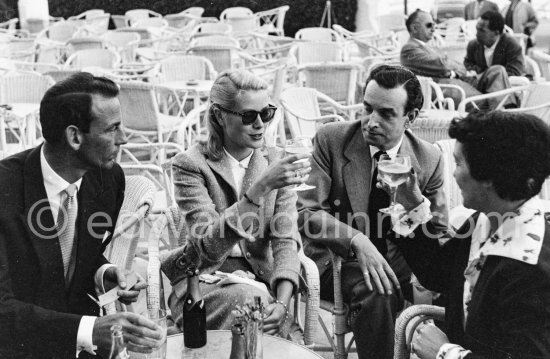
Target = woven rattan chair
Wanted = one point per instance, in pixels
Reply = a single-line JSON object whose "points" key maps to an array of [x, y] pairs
{"points": [[83, 43], [317, 52], [187, 67], [272, 20], [124, 43], [139, 14], [102, 58], [322, 34], [336, 80], [237, 11], [543, 60]]}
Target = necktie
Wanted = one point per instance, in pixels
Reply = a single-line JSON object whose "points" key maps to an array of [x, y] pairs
{"points": [[509, 18], [378, 198], [66, 221]]}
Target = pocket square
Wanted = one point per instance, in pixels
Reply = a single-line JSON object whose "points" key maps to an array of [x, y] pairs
{"points": [[105, 236]]}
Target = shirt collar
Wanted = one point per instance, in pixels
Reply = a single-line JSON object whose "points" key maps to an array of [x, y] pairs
{"points": [[236, 163], [53, 182], [392, 151], [492, 48], [419, 41], [519, 237]]}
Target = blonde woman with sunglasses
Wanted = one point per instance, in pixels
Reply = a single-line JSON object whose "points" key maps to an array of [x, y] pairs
{"points": [[239, 209]]}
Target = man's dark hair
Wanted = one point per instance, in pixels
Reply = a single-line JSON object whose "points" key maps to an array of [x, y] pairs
{"points": [[495, 21], [392, 76], [69, 102], [412, 18], [511, 150]]}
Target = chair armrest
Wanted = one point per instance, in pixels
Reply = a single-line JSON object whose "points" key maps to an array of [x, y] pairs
{"points": [[401, 349], [455, 87], [505, 93], [311, 273]]}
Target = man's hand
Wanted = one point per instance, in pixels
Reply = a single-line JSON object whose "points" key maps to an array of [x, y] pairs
{"points": [[374, 265], [114, 276], [275, 317], [140, 334], [427, 341]]}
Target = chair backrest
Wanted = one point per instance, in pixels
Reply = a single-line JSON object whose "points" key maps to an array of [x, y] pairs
{"points": [[150, 22], [181, 20], [138, 199], [221, 56], [210, 28], [317, 34], [336, 80], [139, 106], [532, 68], [272, 20], [144, 34], [536, 101], [24, 87], [213, 39], [452, 191], [103, 58], [543, 60], [302, 102], [61, 31], [124, 43], [315, 52], [119, 21], [139, 14], [83, 43], [187, 67], [243, 24], [194, 10], [237, 11]]}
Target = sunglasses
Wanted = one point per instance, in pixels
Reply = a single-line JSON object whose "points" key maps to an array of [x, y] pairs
{"points": [[249, 117], [429, 25]]}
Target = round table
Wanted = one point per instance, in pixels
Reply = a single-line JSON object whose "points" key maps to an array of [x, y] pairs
{"points": [[219, 347]]}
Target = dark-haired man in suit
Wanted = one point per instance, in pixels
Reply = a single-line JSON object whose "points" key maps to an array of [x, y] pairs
{"points": [[342, 212], [60, 203]]}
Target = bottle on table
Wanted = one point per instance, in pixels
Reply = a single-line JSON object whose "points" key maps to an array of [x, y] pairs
{"points": [[194, 313], [118, 348]]}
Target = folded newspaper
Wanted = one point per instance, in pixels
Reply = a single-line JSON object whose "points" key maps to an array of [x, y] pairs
{"points": [[237, 277]]}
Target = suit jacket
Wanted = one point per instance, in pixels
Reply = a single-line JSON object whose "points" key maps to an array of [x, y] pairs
{"points": [[423, 60], [469, 9], [332, 214], [509, 313], [524, 17], [39, 317], [507, 53], [216, 219]]}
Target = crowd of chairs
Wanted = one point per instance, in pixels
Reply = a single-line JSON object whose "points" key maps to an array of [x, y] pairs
{"points": [[165, 66]]}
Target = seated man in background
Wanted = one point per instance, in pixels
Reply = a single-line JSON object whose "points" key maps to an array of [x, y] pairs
{"points": [[474, 9], [495, 272], [493, 56], [342, 212], [60, 203]]}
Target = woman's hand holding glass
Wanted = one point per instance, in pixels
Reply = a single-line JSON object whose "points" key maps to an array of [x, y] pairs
{"points": [[300, 145], [285, 172]]}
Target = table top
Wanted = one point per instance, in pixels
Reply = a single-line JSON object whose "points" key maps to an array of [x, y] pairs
{"points": [[438, 114], [189, 85], [219, 347]]}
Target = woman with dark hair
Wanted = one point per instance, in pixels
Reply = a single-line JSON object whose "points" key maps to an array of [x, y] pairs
{"points": [[495, 271], [239, 212]]}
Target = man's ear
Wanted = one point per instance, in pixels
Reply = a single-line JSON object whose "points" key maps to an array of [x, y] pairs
{"points": [[74, 137], [411, 117]]}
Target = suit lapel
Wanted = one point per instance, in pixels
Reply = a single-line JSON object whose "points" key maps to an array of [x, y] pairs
{"points": [[223, 169], [357, 172], [407, 150], [43, 233]]}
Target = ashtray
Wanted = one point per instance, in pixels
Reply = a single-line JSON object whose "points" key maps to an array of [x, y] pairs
{"points": [[192, 82]]}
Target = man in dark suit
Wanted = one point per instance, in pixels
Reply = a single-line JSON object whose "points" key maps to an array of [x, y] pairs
{"points": [[495, 272], [342, 212], [60, 203], [474, 9]]}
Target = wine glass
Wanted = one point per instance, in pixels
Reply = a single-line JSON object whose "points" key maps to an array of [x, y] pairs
{"points": [[393, 171], [300, 145]]}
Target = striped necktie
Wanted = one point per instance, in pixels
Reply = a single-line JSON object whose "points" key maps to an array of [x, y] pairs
{"points": [[66, 221]]}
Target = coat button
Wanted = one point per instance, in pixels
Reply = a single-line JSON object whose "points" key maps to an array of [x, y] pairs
{"points": [[248, 255], [327, 263], [181, 263]]}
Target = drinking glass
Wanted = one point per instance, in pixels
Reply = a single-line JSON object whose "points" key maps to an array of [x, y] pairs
{"points": [[393, 171], [158, 316], [300, 145]]}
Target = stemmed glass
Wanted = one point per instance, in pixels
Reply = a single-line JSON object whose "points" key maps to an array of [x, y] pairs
{"points": [[393, 171], [300, 145]]}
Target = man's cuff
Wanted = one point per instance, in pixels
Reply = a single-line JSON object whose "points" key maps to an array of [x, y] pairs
{"points": [[407, 222], [452, 351], [84, 339], [98, 278]]}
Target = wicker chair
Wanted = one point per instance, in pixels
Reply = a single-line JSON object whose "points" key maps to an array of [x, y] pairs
{"points": [[543, 60], [124, 43], [272, 20], [237, 11], [102, 58], [303, 113], [139, 14], [316, 52], [322, 34], [187, 67]]}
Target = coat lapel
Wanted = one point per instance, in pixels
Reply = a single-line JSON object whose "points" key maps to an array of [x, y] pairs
{"points": [[357, 172], [223, 169], [42, 231]]}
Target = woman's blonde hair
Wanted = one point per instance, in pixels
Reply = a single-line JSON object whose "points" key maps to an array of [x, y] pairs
{"points": [[225, 90]]}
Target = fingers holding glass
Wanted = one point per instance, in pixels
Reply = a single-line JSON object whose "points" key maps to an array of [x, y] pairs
{"points": [[393, 170], [300, 145]]}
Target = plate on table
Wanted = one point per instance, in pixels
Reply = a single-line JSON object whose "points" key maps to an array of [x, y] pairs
{"points": [[192, 82]]}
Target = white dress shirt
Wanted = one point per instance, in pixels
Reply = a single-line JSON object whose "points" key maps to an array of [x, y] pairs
{"points": [[55, 185], [489, 52], [238, 169]]}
